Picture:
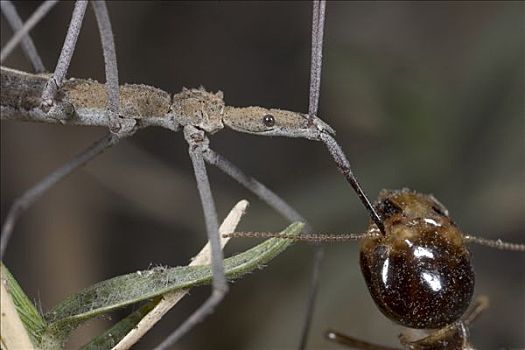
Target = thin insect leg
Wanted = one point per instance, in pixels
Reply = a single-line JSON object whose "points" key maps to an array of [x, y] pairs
{"points": [[353, 342], [10, 13], [283, 208], [497, 244], [312, 295], [344, 166], [21, 32], [319, 8], [23, 202], [54, 83], [480, 305], [318, 17], [263, 192], [197, 141], [110, 61]]}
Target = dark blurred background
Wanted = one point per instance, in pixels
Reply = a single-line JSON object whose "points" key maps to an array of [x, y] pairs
{"points": [[426, 95]]}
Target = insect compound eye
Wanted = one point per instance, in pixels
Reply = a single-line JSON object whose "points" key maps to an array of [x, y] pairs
{"points": [[269, 120]]}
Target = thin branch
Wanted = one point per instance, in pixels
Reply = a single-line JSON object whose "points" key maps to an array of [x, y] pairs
{"points": [[14, 334], [171, 299], [10, 13], [40, 13]]}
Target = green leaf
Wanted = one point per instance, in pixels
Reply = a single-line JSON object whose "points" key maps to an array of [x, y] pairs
{"points": [[144, 285], [29, 315], [117, 332]]}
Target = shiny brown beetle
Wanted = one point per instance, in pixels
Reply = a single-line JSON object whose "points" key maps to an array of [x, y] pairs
{"points": [[419, 272]]}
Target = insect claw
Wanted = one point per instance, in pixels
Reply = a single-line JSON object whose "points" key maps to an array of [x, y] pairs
{"points": [[327, 128], [320, 125]]}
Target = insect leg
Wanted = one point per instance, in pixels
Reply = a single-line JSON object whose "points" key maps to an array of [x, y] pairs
{"points": [[10, 13], [21, 32], [283, 208], [263, 192], [318, 17], [112, 85], [319, 8], [353, 342], [34, 193], [344, 167], [312, 295], [480, 304], [197, 143], [54, 83], [110, 61]]}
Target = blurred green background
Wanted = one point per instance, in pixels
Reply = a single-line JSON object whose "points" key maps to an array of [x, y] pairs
{"points": [[426, 95]]}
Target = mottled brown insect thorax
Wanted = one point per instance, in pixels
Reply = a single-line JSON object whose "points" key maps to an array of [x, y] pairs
{"points": [[199, 108], [419, 273], [136, 101]]}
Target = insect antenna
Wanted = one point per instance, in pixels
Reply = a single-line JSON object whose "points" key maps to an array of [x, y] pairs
{"points": [[343, 237], [308, 237], [495, 243]]}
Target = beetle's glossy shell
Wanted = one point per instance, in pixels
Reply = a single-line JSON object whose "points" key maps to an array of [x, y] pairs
{"points": [[419, 274]]}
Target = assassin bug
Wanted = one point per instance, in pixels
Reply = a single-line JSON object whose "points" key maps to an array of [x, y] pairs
{"points": [[124, 109]]}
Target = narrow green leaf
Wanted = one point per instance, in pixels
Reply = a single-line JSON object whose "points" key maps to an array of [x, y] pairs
{"points": [[117, 332], [144, 285], [29, 315]]}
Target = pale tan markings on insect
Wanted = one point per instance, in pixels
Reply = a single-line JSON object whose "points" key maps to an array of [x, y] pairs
{"points": [[136, 101], [195, 107], [199, 108], [274, 122]]}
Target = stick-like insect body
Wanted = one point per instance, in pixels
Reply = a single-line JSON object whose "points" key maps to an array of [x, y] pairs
{"points": [[83, 102], [127, 108]]}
